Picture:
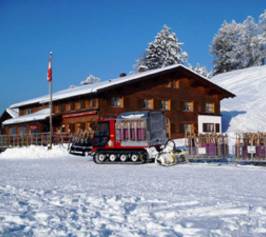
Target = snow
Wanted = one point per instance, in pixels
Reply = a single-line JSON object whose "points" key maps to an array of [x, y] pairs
{"points": [[12, 112], [247, 111], [72, 196], [133, 116], [95, 87], [35, 152], [40, 115]]}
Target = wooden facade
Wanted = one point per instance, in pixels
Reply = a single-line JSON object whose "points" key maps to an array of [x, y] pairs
{"points": [[181, 94]]}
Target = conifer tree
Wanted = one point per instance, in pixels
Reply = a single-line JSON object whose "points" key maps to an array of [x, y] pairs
{"points": [[165, 50]]}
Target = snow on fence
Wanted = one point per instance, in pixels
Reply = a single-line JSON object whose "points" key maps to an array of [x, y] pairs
{"points": [[33, 139], [250, 146], [208, 146]]}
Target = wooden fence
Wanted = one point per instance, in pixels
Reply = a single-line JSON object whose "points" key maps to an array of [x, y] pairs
{"points": [[33, 139], [208, 146], [250, 146]]}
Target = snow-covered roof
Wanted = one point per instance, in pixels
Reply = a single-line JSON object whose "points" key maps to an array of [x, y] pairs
{"points": [[12, 112], [40, 115], [95, 87]]}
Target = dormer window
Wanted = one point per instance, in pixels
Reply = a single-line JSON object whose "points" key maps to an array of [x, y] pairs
{"points": [[28, 111]]}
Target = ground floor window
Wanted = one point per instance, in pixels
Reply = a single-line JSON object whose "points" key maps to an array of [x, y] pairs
{"points": [[13, 131], [211, 127], [22, 131]]}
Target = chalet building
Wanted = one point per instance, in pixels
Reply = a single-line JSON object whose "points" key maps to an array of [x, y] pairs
{"points": [[190, 102], [7, 114]]}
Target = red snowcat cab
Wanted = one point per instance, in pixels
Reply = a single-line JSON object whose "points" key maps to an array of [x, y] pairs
{"points": [[130, 138]]}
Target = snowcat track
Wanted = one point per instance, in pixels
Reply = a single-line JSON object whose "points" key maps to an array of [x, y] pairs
{"points": [[118, 153]]}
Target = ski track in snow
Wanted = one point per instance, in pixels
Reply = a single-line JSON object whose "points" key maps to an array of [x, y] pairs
{"points": [[75, 197]]}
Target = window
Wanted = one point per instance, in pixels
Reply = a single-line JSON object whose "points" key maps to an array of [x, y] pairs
{"points": [[72, 106], [94, 103], [68, 107], [61, 108], [22, 131], [169, 84], [217, 127], [28, 111], [134, 130], [188, 128], [77, 105], [56, 109], [176, 84], [117, 102], [82, 104], [148, 104], [13, 131], [173, 84], [188, 106], [211, 127], [165, 105], [209, 108]]}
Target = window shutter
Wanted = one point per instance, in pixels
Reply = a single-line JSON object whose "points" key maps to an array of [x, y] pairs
{"points": [[217, 129]]}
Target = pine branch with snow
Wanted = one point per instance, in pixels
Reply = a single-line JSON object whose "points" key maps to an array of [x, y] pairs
{"points": [[165, 50], [202, 70]]}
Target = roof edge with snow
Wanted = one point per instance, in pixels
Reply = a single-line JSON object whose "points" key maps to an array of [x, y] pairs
{"points": [[96, 87], [37, 116]]}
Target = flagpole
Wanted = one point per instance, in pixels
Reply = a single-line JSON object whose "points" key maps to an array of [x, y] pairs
{"points": [[50, 81]]}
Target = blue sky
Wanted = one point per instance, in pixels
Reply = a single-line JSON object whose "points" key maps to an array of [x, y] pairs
{"points": [[99, 37]]}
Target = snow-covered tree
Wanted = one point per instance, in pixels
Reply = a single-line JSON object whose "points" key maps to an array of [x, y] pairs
{"points": [[236, 46], [202, 70], [262, 35], [251, 43], [165, 50], [226, 48], [90, 80]]}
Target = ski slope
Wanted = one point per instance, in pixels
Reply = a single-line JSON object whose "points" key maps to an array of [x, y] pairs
{"points": [[72, 196], [247, 111]]}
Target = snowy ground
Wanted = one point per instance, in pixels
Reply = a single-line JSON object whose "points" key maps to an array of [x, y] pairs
{"points": [[72, 196], [245, 112]]}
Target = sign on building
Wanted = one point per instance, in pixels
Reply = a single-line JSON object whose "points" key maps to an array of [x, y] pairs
{"points": [[251, 149]]}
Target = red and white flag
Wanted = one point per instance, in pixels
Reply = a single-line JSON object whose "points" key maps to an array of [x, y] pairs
{"points": [[49, 72]]}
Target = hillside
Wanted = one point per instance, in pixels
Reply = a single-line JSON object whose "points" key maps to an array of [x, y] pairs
{"points": [[247, 111]]}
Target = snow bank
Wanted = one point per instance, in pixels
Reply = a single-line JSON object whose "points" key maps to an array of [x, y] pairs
{"points": [[35, 152], [247, 111]]}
